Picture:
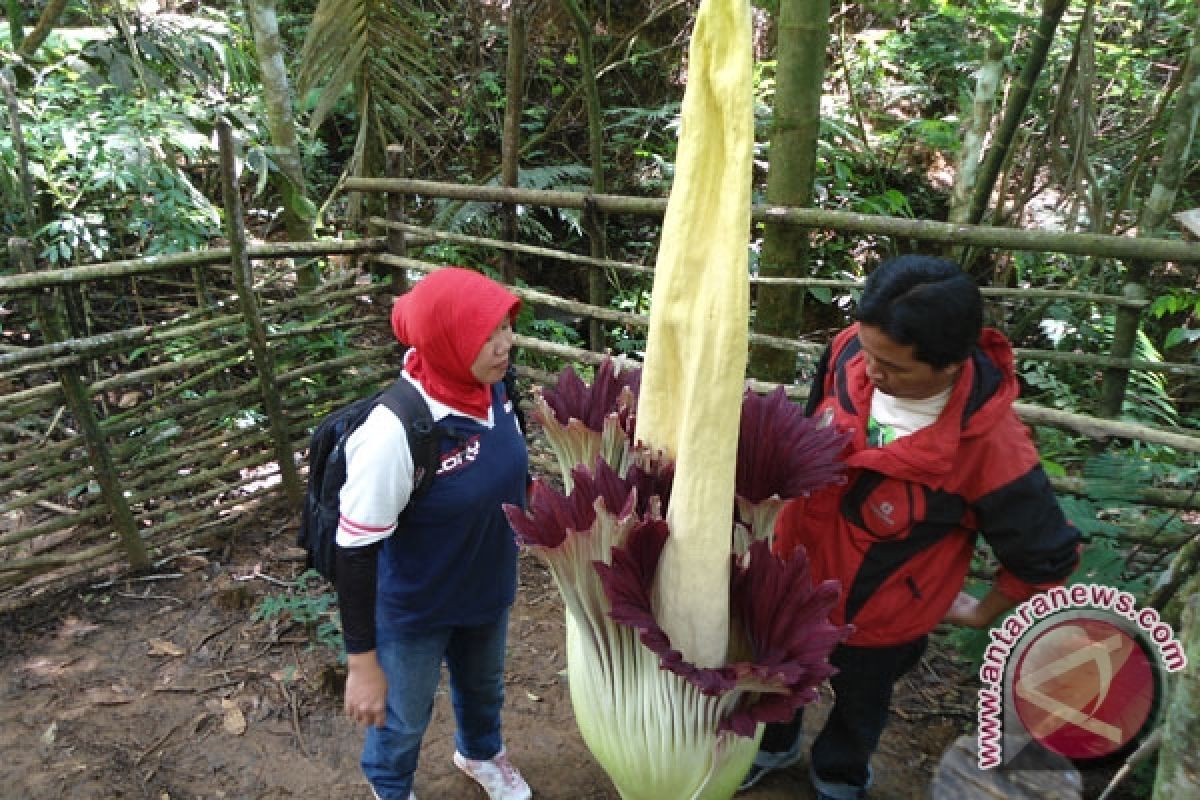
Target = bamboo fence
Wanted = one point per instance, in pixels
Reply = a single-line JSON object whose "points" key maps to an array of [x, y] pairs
{"points": [[159, 399]]}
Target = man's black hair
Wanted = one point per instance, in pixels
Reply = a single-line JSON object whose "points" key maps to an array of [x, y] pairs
{"points": [[926, 302]]}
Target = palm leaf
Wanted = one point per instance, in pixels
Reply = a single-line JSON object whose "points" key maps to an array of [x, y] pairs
{"points": [[381, 51]]}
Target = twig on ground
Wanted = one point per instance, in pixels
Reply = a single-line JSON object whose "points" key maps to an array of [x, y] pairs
{"points": [[157, 743], [1144, 750], [135, 596], [174, 556], [258, 573], [216, 632], [166, 576], [291, 698]]}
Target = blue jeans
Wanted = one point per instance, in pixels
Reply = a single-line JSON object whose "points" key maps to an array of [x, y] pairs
{"points": [[840, 759], [474, 656]]}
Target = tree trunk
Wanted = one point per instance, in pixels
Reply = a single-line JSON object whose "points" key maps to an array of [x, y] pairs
{"points": [[16, 24], [1179, 759], [803, 39], [514, 99], [43, 29], [299, 213], [1018, 101], [593, 221], [1153, 217], [987, 86]]}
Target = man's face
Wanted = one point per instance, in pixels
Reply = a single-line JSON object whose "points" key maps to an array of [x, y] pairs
{"points": [[894, 369]]}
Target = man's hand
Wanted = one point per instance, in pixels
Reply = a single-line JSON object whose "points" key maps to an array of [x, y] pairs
{"points": [[972, 613], [366, 690]]}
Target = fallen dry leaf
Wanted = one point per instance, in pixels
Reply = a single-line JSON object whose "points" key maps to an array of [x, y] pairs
{"points": [[110, 695], [235, 721], [161, 647]]}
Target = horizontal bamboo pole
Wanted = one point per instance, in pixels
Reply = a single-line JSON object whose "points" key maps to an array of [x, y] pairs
{"points": [[193, 525], [150, 264], [74, 351], [1021, 293], [1089, 244], [642, 321], [434, 235], [594, 312], [1149, 496], [204, 408], [1097, 428], [1034, 415], [47, 485], [198, 453], [56, 523]]}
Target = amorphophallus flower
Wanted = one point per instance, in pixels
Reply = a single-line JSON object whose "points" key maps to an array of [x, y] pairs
{"points": [[659, 725], [678, 650]]}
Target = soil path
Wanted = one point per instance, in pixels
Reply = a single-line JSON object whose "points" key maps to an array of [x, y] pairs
{"points": [[172, 690]]}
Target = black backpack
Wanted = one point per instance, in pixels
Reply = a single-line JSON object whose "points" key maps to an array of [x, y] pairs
{"points": [[327, 462], [327, 465]]}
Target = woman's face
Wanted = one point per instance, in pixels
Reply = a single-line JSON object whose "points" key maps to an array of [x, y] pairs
{"points": [[894, 368], [492, 361]]}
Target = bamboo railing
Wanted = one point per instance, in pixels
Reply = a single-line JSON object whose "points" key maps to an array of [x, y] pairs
{"points": [[188, 392]]}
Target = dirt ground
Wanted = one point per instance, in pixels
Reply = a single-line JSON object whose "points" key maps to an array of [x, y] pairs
{"points": [[170, 689]]}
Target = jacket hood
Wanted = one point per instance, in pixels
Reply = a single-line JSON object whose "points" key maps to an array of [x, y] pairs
{"points": [[983, 394]]}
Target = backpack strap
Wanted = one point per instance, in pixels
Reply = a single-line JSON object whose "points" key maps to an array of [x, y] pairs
{"points": [[406, 402], [514, 395]]}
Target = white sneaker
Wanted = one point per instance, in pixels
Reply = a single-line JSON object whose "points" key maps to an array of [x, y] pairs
{"points": [[498, 777]]}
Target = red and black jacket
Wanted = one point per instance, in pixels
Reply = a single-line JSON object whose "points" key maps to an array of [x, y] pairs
{"points": [[900, 531]]}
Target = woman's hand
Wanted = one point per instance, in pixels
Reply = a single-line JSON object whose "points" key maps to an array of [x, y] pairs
{"points": [[366, 690]]}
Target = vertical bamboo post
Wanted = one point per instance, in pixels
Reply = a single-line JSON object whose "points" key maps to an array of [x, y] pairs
{"points": [[397, 243], [79, 399], [255, 331], [593, 219], [1125, 330]]}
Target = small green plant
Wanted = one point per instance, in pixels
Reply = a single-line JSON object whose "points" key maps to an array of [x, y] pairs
{"points": [[309, 602]]}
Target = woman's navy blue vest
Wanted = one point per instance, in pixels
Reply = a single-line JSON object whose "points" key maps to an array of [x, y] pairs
{"points": [[453, 557]]}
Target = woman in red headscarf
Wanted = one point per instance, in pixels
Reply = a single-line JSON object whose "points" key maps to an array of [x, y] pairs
{"points": [[433, 579]]}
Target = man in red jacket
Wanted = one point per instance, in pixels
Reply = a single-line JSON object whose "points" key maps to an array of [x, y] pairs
{"points": [[936, 456]]}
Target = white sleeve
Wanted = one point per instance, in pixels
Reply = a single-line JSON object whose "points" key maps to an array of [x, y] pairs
{"points": [[379, 480]]}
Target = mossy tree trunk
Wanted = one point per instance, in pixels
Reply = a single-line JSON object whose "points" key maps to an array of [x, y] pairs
{"points": [[299, 213], [803, 32], [31, 42], [1155, 211], [978, 122], [1179, 759]]}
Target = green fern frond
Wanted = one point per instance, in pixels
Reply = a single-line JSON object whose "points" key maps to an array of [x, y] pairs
{"points": [[484, 217], [1148, 398]]}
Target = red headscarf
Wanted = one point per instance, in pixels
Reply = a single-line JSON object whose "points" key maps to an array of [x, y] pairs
{"points": [[447, 318]]}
